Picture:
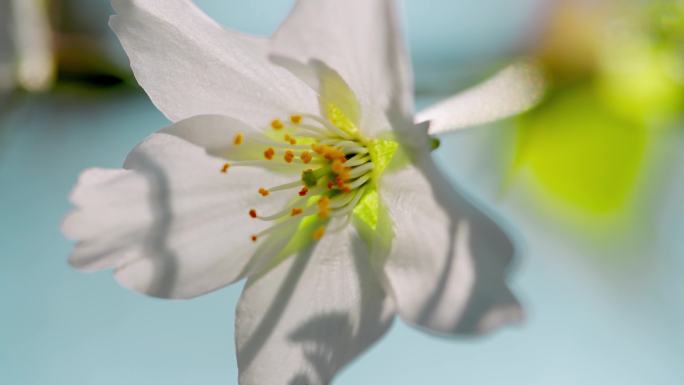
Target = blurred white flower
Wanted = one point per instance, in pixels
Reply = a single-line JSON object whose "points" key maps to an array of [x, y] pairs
{"points": [[293, 162], [26, 53]]}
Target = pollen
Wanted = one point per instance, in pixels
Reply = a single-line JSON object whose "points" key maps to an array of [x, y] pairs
{"points": [[289, 156], [254, 238], [318, 148], [324, 207], [338, 166], [318, 233], [263, 192], [252, 213], [305, 156], [303, 191], [225, 168], [296, 211], [276, 124], [237, 139], [269, 153], [296, 119]]}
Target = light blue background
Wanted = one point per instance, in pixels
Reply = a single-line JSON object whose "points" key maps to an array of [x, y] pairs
{"points": [[588, 323]]}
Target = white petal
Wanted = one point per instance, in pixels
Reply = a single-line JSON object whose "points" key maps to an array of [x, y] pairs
{"points": [[515, 89], [360, 40], [171, 224], [447, 267], [300, 322], [189, 65]]}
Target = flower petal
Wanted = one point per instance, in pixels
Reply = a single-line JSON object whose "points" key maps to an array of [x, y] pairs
{"points": [[515, 89], [189, 65], [359, 39], [171, 224], [448, 261], [300, 322]]}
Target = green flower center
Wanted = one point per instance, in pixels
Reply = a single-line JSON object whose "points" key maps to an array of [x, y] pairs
{"points": [[340, 170]]}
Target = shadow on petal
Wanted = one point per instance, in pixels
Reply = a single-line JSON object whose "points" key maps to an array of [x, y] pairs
{"points": [[164, 262], [482, 253]]}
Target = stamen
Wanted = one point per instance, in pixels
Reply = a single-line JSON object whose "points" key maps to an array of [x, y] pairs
{"points": [[252, 213], [358, 182], [357, 160], [254, 238], [358, 171], [225, 168], [318, 233], [276, 124], [305, 156], [237, 139], [331, 127], [296, 211], [324, 207], [296, 119], [289, 156], [269, 153], [351, 205], [338, 166], [303, 191], [263, 192], [286, 186]]}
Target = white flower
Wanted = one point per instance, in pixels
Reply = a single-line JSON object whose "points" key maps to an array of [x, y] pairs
{"points": [[294, 163]]}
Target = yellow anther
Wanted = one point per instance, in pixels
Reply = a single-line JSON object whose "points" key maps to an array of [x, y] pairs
{"points": [[289, 156], [338, 166], [318, 148], [225, 168], [296, 211], [269, 153], [334, 153], [305, 156], [293, 141], [318, 233], [252, 213], [263, 192], [324, 207], [276, 124], [296, 119], [237, 139]]}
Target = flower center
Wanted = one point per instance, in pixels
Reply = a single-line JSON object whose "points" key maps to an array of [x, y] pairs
{"points": [[338, 169]]}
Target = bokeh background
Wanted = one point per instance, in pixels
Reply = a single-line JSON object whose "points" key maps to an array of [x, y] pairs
{"points": [[591, 181]]}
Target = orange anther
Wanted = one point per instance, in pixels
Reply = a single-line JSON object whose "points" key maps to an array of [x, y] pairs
{"points": [[338, 166], [296, 211], [324, 207], [318, 234], [334, 154], [263, 192], [269, 153], [289, 156], [303, 191], [330, 185], [237, 139], [252, 213], [276, 124], [293, 141], [305, 156], [296, 119], [318, 148], [254, 238], [225, 168]]}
